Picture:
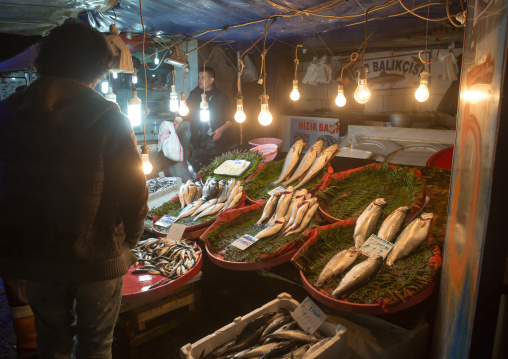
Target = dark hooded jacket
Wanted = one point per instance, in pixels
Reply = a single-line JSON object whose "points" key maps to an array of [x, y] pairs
{"points": [[72, 192]]}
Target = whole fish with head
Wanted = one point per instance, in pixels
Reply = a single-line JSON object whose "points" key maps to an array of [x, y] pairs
{"points": [[233, 193], [281, 349], [298, 217], [191, 209], [366, 223], [358, 276], [246, 341], [410, 238], [282, 205], [392, 224], [300, 196], [210, 210], [270, 207], [291, 160], [276, 324], [307, 161], [213, 189], [306, 219], [180, 195], [338, 264], [186, 195], [294, 335], [277, 226], [320, 162], [237, 198], [227, 190], [205, 206], [256, 323]]}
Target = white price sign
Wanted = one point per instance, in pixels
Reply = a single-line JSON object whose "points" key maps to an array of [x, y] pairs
{"points": [[276, 190], [175, 233], [165, 221], [308, 316], [244, 241], [376, 246]]}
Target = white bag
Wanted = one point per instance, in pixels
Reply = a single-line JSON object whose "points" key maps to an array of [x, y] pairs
{"points": [[169, 142]]}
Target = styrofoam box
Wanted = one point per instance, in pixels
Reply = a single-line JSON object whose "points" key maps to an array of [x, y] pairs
{"points": [[335, 348]]}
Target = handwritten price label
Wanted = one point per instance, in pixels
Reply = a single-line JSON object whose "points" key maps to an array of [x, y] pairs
{"points": [[308, 316], [276, 190], [175, 233], [376, 246], [244, 241], [165, 221]]}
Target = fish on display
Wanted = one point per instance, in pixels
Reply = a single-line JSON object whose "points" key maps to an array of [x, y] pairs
{"points": [[358, 276], [233, 193], [294, 335], [410, 238], [190, 209], [393, 223], [338, 264], [296, 204], [281, 349], [276, 324], [270, 207], [186, 195], [307, 161], [282, 205], [366, 223], [272, 229], [226, 191], [205, 206], [323, 158], [237, 198], [291, 160], [180, 195], [298, 216], [210, 210], [306, 218]]}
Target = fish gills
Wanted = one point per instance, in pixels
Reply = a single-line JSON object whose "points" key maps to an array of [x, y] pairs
{"points": [[338, 264], [410, 238], [366, 223], [358, 276]]}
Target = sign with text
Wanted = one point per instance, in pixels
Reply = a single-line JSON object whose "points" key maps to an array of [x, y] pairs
{"points": [[308, 316], [175, 233], [165, 221], [244, 241], [376, 246], [311, 131], [276, 190]]}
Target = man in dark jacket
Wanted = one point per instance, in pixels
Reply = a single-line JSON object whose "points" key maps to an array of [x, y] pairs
{"points": [[72, 195], [219, 126]]}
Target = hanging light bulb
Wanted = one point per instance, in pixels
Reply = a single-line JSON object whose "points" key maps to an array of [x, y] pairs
{"points": [[295, 95], [422, 92], [204, 113], [156, 60], [239, 115], [145, 158], [173, 99], [134, 109], [340, 100], [134, 79], [362, 92], [115, 74], [105, 86], [111, 96], [183, 110], [265, 117]]}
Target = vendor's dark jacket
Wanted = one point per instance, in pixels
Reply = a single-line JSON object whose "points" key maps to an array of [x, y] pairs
{"points": [[219, 108], [72, 192]]}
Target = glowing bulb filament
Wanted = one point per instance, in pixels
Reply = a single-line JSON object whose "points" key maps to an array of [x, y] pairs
{"points": [[295, 95], [340, 100], [239, 115], [183, 110], [147, 166], [362, 92], [422, 92]]}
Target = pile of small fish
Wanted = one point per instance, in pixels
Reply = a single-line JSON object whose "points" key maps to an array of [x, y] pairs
{"points": [[311, 164], [289, 211], [410, 238], [270, 335], [157, 184], [200, 201], [169, 258]]}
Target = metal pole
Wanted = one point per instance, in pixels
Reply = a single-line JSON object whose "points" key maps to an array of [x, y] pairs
{"points": [[239, 90]]}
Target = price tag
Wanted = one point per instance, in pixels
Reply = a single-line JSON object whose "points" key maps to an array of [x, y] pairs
{"points": [[276, 190], [239, 162], [376, 246], [165, 221], [308, 316], [244, 241], [175, 233]]}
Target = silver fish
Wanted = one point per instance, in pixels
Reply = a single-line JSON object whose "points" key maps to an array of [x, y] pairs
{"points": [[298, 353], [236, 199], [282, 205], [258, 351], [288, 212], [213, 189], [358, 276], [204, 206], [306, 162], [233, 193], [210, 210], [276, 324], [180, 195], [294, 334], [272, 229], [338, 264], [298, 217], [299, 198], [410, 238], [291, 160], [366, 223], [193, 191], [227, 190], [186, 195], [306, 218], [270, 207], [191, 209], [323, 158], [392, 224]]}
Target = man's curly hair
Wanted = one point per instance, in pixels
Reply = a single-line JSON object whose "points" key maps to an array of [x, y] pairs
{"points": [[74, 50]]}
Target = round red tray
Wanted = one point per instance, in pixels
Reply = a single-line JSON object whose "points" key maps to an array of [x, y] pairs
{"points": [[283, 258], [191, 232], [136, 286]]}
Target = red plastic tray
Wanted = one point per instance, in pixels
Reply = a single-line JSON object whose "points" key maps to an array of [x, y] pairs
{"points": [[135, 286], [441, 159], [246, 266]]}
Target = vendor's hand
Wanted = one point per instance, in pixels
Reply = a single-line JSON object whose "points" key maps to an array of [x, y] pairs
{"points": [[218, 133], [176, 124]]}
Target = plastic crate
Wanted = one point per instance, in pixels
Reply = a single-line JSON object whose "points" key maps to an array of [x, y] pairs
{"points": [[335, 348]]}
